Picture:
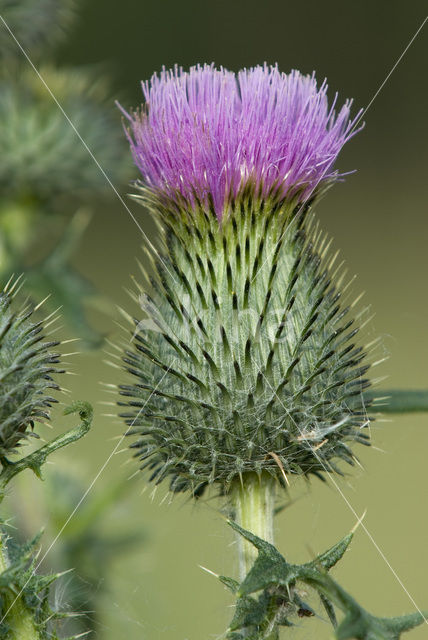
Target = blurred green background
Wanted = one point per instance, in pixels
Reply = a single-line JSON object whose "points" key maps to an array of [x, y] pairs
{"points": [[378, 219]]}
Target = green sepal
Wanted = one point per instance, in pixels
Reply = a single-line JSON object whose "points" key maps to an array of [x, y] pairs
{"points": [[28, 367], [35, 26]]}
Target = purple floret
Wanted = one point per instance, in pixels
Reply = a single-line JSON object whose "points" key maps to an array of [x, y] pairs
{"points": [[207, 133]]}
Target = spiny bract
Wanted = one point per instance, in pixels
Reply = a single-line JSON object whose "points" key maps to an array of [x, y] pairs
{"points": [[245, 361], [26, 365]]}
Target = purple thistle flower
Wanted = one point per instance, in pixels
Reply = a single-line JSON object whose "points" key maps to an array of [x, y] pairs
{"points": [[206, 134]]}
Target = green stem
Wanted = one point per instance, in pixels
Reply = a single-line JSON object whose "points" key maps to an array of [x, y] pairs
{"points": [[36, 460], [253, 503], [19, 620], [399, 400], [253, 499]]}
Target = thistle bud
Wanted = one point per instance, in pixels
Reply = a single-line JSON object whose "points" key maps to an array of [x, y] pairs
{"points": [[44, 157], [26, 367], [35, 27], [244, 361]]}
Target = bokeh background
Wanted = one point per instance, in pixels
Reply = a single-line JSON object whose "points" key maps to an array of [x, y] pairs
{"points": [[378, 218]]}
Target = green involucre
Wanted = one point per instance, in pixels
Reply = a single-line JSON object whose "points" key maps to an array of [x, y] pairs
{"points": [[26, 367], [244, 361]]}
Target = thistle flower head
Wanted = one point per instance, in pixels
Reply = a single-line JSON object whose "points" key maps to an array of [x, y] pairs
{"points": [[244, 361], [26, 367], [206, 134]]}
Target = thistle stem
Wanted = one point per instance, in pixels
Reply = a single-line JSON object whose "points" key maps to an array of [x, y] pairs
{"points": [[253, 499], [253, 503], [17, 617]]}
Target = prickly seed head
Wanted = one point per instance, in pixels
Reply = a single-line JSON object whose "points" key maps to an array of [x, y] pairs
{"points": [[244, 359], [26, 367]]}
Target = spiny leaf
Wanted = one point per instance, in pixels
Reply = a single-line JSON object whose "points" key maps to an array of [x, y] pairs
{"points": [[331, 557], [276, 581], [270, 568], [25, 593], [358, 624]]}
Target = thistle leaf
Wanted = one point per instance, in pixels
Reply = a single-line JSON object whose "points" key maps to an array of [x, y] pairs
{"points": [[277, 583], [25, 594], [271, 569]]}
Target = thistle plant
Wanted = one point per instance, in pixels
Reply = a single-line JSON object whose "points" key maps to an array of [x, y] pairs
{"points": [[90, 542], [246, 371], [26, 365], [28, 371], [37, 27], [46, 172]]}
